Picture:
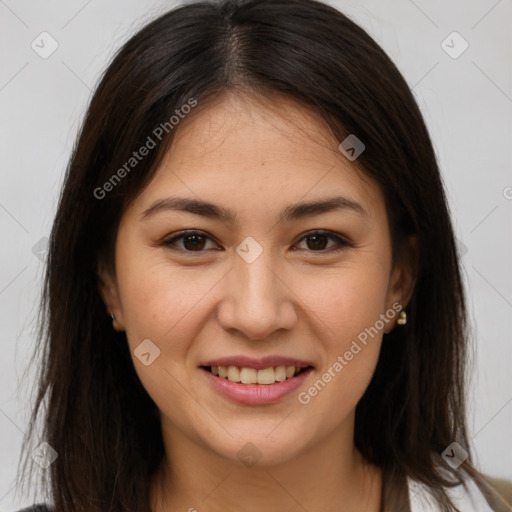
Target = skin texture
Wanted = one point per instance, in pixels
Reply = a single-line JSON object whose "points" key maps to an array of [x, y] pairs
{"points": [[294, 300]]}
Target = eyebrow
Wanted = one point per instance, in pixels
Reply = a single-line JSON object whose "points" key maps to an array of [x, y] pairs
{"points": [[292, 212]]}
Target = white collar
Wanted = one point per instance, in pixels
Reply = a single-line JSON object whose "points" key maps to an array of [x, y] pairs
{"points": [[466, 498]]}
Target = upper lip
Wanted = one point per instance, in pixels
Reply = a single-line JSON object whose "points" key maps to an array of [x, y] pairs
{"points": [[258, 364]]}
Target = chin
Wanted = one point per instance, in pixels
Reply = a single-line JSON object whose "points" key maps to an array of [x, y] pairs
{"points": [[262, 446]]}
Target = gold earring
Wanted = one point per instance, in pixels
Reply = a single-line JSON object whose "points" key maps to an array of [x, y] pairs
{"points": [[402, 318], [115, 324]]}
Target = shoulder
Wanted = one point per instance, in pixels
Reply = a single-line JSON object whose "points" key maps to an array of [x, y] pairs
{"points": [[466, 497]]}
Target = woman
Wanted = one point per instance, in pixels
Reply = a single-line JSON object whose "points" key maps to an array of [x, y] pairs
{"points": [[253, 298]]}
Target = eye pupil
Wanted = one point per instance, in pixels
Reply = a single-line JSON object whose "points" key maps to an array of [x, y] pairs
{"points": [[315, 241], [197, 243]]}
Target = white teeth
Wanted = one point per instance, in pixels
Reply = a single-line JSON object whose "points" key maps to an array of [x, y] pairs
{"points": [[248, 375], [252, 376], [266, 376], [280, 373], [233, 374]]}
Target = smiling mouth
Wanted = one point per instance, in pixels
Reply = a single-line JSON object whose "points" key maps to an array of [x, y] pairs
{"points": [[266, 376]]}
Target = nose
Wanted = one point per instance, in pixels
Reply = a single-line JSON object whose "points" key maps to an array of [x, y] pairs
{"points": [[257, 301]]}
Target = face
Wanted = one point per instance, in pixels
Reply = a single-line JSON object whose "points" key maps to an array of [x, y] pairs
{"points": [[253, 281]]}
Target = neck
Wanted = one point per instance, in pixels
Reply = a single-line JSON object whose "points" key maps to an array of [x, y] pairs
{"points": [[332, 476]]}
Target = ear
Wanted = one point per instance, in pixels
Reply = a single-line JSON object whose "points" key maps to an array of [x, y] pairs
{"points": [[403, 278], [109, 292]]}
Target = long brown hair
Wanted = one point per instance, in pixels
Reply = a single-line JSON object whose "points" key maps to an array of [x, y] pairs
{"points": [[98, 417]]}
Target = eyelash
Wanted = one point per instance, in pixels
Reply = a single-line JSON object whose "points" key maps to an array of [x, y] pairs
{"points": [[341, 242]]}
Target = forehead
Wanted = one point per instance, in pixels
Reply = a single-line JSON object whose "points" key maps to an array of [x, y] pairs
{"points": [[249, 153]]}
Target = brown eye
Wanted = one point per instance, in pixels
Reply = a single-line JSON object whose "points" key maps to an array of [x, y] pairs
{"points": [[317, 241], [192, 241]]}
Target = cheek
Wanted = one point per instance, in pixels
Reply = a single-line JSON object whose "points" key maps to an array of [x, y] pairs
{"points": [[346, 300], [349, 306], [156, 294], [163, 304]]}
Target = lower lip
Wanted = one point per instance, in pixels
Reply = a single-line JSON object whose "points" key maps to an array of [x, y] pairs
{"points": [[256, 394]]}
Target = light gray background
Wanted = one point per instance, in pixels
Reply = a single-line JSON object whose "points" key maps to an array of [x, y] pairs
{"points": [[467, 104]]}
